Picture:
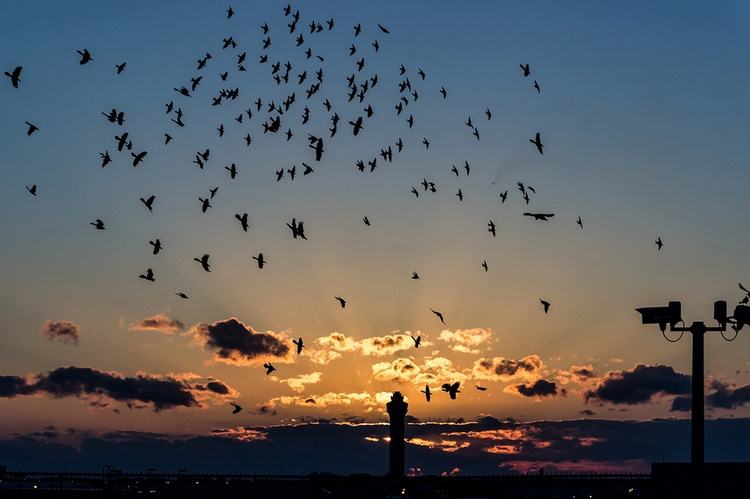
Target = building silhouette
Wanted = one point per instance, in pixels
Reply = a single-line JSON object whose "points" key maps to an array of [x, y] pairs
{"points": [[397, 411]]}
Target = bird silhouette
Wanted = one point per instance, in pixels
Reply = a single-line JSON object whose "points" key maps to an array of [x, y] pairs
{"points": [[503, 196], [536, 85], [205, 204], [659, 244], [452, 389], [746, 299], [120, 67], [439, 315], [149, 203], [137, 158], [427, 393], [269, 368], [14, 76], [579, 222], [414, 275], [260, 260], [300, 344], [537, 141], [526, 71], [366, 220], [491, 228], [149, 275], [540, 216], [85, 56], [480, 388], [157, 245], [417, 341], [204, 262], [232, 170], [545, 304], [242, 219], [182, 295], [341, 301], [237, 408], [32, 189], [485, 266], [98, 224], [32, 128]]}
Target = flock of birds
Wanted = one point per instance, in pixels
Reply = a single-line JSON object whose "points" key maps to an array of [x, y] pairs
{"points": [[307, 81]]}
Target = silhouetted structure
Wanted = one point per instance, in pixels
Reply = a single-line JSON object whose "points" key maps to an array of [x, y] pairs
{"points": [[397, 412]]}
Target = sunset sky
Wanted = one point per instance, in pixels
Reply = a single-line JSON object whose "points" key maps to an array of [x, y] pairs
{"points": [[643, 113]]}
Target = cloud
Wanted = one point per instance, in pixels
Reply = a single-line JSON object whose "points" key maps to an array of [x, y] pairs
{"points": [[159, 322], [368, 400], [101, 387], [639, 385], [65, 331], [72, 381], [724, 396], [238, 344], [399, 370], [298, 383], [499, 368], [331, 347], [539, 389], [465, 340]]}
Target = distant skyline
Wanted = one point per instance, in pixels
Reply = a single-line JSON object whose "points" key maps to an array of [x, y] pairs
{"points": [[392, 184]]}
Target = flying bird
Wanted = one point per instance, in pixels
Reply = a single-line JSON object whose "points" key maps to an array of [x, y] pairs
{"points": [[540, 216], [452, 389], [525, 68], [659, 244], [85, 56], [485, 266], [14, 76], [300, 345], [417, 341], [537, 141], [746, 299], [149, 203], [439, 315], [341, 301], [426, 392], [536, 85], [149, 275], [269, 368], [480, 388], [366, 220], [204, 262], [260, 260], [243, 220], [237, 408], [98, 224], [157, 245], [579, 222], [31, 189], [491, 228], [414, 275], [137, 158], [545, 304], [120, 67], [182, 295], [206, 204], [32, 128]]}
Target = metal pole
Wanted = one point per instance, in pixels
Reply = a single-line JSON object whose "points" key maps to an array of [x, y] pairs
{"points": [[697, 440]]}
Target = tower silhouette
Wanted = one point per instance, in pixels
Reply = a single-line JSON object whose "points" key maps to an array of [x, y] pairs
{"points": [[397, 411]]}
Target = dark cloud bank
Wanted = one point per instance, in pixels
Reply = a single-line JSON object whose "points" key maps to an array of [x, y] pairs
{"points": [[488, 446]]}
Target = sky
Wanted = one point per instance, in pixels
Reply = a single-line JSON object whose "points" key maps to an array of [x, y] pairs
{"points": [[641, 111]]}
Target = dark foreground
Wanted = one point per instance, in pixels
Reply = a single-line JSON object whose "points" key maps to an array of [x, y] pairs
{"points": [[667, 480]]}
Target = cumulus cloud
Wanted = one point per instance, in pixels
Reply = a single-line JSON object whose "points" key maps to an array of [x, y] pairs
{"points": [[298, 383], [540, 388], [399, 370], [159, 322], [639, 385], [235, 343], [85, 382], [331, 347], [723, 396], [465, 340], [65, 331], [499, 368]]}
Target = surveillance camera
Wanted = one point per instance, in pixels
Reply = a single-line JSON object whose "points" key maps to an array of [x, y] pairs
{"points": [[671, 314]]}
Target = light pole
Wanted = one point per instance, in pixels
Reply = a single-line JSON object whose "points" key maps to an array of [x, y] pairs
{"points": [[671, 314]]}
